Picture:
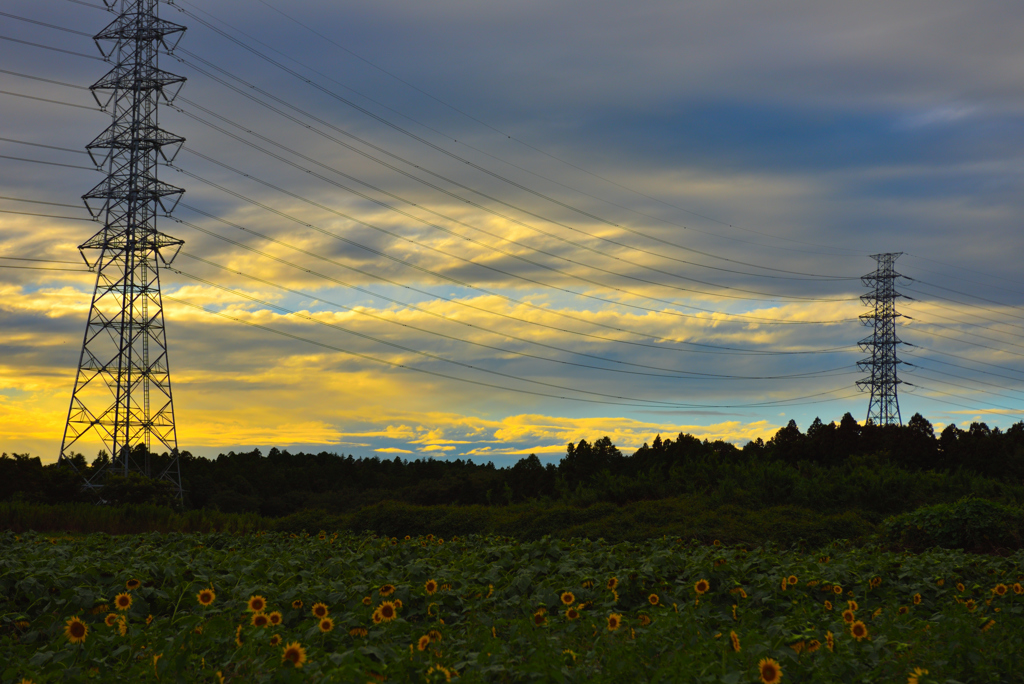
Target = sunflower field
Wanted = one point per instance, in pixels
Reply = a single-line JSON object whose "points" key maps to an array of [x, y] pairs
{"points": [[359, 608]]}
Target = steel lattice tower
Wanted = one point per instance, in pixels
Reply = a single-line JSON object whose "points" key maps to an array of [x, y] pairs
{"points": [[884, 407], [122, 392]]}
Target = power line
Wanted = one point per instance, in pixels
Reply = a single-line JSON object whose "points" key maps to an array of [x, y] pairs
{"points": [[55, 204], [43, 99], [43, 23], [51, 147], [699, 347], [463, 283], [28, 213], [363, 312], [480, 383], [503, 133], [483, 208], [39, 161], [44, 80], [54, 49], [245, 92]]}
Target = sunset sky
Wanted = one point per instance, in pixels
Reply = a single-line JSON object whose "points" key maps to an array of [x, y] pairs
{"points": [[484, 230]]}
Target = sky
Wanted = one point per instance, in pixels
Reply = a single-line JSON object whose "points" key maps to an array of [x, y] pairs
{"points": [[466, 230]]}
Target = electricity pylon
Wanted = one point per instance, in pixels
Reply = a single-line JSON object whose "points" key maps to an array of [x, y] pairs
{"points": [[122, 392], [884, 407]]}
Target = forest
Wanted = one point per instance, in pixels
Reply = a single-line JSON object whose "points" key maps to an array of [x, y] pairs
{"points": [[850, 474]]}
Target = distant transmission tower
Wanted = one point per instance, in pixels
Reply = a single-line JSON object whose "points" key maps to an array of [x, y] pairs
{"points": [[884, 407], [122, 392]]}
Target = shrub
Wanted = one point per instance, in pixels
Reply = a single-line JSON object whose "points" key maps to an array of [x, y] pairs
{"points": [[971, 524]]}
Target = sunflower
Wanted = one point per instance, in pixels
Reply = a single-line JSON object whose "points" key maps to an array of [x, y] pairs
{"points": [[434, 635], [423, 643], [398, 604], [916, 674], [645, 620], [852, 605], [830, 641], [1018, 588], [813, 645], [122, 625], [358, 632], [1000, 589], [735, 639], [612, 583], [387, 590], [572, 613], [828, 605], [858, 630], [326, 625], [784, 584], [76, 630], [848, 617], [123, 601], [941, 582], [294, 653], [769, 670], [110, 620], [257, 604], [568, 598], [877, 582], [430, 587], [702, 587], [539, 620], [614, 622], [970, 605], [275, 617], [132, 584], [388, 611], [792, 580], [903, 610], [260, 620], [653, 599], [960, 587], [837, 590], [917, 599], [377, 619], [238, 636], [798, 646], [988, 625], [441, 670], [275, 640], [297, 604], [320, 610], [205, 597]]}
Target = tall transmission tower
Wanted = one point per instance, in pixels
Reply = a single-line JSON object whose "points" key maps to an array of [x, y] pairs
{"points": [[884, 407], [122, 393]]}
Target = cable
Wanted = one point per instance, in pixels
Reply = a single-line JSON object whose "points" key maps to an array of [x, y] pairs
{"points": [[363, 312], [462, 283], [43, 99], [55, 49], [965, 294], [28, 213], [44, 80], [963, 268], [700, 347], [251, 86], [477, 382], [966, 358], [51, 147], [56, 204], [43, 23], [960, 377], [47, 261], [957, 365], [479, 206], [503, 133], [45, 268], [958, 396], [973, 344], [39, 161]]}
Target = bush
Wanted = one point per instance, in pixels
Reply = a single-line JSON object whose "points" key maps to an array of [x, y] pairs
{"points": [[971, 524]]}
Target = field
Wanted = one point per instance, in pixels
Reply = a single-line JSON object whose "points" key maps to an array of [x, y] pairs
{"points": [[243, 608]]}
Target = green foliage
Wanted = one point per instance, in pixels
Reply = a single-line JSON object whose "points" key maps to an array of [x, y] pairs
{"points": [[970, 523], [957, 615], [81, 518]]}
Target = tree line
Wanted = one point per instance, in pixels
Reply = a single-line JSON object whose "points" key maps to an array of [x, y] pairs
{"points": [[830, 466]]}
